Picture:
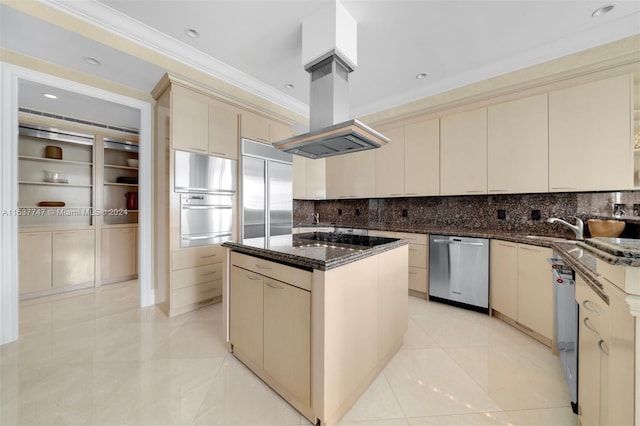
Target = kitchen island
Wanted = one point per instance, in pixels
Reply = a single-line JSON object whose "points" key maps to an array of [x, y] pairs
{"points": [[317, 317]]}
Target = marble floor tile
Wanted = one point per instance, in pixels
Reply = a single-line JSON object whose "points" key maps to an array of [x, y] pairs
{"points": [[93, 357]]}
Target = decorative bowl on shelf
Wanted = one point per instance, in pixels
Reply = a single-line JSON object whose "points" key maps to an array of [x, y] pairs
{"points": [[132, 162], [605, 228], [54, 176], [54, 152]]}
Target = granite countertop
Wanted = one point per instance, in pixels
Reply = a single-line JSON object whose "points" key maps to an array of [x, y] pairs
{"points": [[306, 253]]}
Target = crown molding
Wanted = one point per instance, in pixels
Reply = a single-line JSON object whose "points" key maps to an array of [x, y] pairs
{"points": [[104, 17]]}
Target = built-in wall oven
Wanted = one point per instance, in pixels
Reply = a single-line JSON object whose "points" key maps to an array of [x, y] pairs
{"points": [[207, 187]]}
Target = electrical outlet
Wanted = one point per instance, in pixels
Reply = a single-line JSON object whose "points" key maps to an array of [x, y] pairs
{"points": [[502, 214], [357, 212], [405, 212], [535, 214], [339, 212]]}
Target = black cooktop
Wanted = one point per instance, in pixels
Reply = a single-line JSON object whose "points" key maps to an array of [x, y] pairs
{"points": [[355, 240]]}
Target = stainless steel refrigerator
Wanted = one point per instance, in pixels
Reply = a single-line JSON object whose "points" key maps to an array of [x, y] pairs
{"points": [[267, 194]]}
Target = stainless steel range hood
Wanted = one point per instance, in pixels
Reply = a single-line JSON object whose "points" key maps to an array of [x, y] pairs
{"points": [[329, 105]]}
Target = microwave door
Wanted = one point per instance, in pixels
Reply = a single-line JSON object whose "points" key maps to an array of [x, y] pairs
{"points": [[197, 173]]}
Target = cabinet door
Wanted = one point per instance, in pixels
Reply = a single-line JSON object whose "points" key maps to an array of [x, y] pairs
{"points": [[279, 132], [588, 366], [73, 257], [246, 315], [189, 121], [463, 153], [35, 261], [361, 174], [299, 177], [254, 127], [518, 146], [504, 278], [287, 337], [422, 158], [119, 253], [535, 289], [590, 144], [223, 133], [336, 177], [315, 178], [389, 165]]}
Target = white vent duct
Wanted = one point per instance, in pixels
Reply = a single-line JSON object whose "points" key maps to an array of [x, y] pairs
{"points": [[329, 54]]}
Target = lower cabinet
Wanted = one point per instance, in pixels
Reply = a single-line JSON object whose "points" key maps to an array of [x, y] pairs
{"points": [[119, 253], [196, 278], [522, 287], [54, 260], [270, 322], [606, 360]]}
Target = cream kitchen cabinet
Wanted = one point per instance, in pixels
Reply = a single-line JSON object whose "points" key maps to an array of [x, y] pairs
{"points": [[518, 146], [73, 257], [119, 253], [309, 178], [422, 158], [261, 129], [463, 153], [590, 143], [35, 259], [270, 322], [522, 287], [351, 175], [196, 279], [223, 133], [418, 259], [389, 165]]}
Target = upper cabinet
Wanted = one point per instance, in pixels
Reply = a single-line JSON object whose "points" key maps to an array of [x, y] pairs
{"points": [[590, 144], [308, 178], [518, 146], [463, 153], [261, 129], [422, 158], [351, 175], [199, 124], [389, 165]]}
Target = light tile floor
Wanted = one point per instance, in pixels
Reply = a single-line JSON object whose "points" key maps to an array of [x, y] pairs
{"points": [[93, 357]]}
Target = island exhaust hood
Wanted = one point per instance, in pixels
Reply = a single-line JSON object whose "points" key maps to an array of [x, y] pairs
{"points": [[331, 131]]}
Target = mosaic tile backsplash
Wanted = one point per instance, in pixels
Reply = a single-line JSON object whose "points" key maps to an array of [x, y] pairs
{"points": [[498, 213]]}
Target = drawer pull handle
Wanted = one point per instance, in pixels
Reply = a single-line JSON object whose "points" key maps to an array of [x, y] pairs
{"points": [[412, 249], [413, 273], [603, 347], [591, 307], [208, 291], [253, 277], [262, 266], [587, 324], [207, 256], [528, 249], [274, 286], [208, 273]]}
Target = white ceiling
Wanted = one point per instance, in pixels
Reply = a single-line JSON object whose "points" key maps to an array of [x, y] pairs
{"points": [[257, 44]]}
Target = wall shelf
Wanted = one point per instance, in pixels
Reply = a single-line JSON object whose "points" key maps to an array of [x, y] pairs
{"points": [[114, 166], [53, 160], [68, 185], [120, 184]]}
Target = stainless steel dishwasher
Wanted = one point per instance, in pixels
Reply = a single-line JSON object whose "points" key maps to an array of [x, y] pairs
{"points": [[459, 271]]}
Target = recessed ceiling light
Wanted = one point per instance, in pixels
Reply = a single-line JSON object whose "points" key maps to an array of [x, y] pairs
{"points": [[603, 10], [192, 33], [50, 96], [421, 75], [92, 61], [289, 86]]}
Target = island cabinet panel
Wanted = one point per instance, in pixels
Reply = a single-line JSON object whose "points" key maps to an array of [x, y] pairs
{"points": [[518, 146], [287, 337], [590, 124], [463, 153], [246, 316], [392, 301]]}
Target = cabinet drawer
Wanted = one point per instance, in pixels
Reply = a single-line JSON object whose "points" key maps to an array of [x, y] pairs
{"points": [[294, 276], [196, 293], [413, 238], [192, 276], [592, 305], [188, 258], [418, 256], [418, 279]]}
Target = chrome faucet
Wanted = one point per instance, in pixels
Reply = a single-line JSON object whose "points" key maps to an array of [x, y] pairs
{"points": [[578, 228]]}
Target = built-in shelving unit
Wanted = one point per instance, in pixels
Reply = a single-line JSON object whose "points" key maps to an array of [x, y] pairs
{"points": [[117, 154]]}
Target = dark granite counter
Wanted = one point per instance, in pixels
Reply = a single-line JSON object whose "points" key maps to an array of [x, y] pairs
{"points": [[306, 253]]}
